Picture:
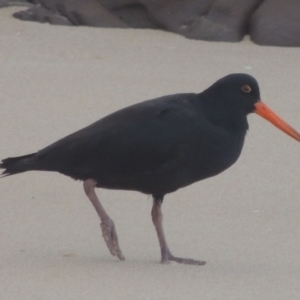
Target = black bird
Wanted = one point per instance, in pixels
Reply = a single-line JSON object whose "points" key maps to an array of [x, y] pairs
{"points": [[156, 147]]}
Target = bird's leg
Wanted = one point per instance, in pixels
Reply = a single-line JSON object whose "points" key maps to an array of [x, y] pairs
{"points": [[166, 255], [107, 225]]}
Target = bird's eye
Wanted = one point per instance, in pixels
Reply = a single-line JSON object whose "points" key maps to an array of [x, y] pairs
{"points": [[246, 88]]}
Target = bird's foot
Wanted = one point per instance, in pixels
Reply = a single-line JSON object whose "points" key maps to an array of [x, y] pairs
{"points": [[111, 239], [167, 257]]}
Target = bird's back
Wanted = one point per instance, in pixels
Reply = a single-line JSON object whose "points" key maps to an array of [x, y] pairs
{"points": [[155, 147]]}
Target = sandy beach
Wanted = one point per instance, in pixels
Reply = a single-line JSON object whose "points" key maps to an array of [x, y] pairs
{"points": [[244, 223]]}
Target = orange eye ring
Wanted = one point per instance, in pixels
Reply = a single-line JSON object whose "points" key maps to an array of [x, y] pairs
{"points": [[246, 88]]}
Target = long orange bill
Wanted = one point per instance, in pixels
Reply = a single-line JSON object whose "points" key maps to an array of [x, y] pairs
{"points": [[264, 111]]}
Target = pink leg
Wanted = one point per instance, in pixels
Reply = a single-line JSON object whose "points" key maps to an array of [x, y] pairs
{"points": [[166, 255], [107, 225]]}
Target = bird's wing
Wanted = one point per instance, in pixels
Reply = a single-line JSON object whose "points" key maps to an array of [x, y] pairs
{"points": [[144, 138]]}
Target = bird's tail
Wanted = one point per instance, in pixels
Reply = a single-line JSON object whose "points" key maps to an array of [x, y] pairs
{"points": [[15, 165]]}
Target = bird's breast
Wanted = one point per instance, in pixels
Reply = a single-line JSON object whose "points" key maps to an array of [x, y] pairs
{"points": [[214, 153]]}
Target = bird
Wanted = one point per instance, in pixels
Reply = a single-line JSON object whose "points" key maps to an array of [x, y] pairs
{"points": [[156, 147]]}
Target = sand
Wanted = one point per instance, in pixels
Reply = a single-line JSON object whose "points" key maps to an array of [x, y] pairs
{"points": [[244, 222]]}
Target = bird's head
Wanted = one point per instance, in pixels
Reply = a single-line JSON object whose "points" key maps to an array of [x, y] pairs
{"points": [[240, 94]]}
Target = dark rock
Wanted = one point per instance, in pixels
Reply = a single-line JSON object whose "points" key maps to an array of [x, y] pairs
{"points": [[269, 22], [276, 23], [216, 20], [7, 3], [226, 20], [43, 15], [135, 16], [175, 15], [83, 12]]}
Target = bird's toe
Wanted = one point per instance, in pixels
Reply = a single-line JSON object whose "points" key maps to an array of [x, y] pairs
{"points": [[111, 239], [185, 261]]}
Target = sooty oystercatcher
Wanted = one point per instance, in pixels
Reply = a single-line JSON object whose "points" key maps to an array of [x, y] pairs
{"points": [[156, 147]]}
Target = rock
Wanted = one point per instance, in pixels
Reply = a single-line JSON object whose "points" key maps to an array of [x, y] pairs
{"points": [[43, 15], [269, 22], [7, 3], [135, 16], [276, 23], [175, 15], [81, 12], [226, 20]]}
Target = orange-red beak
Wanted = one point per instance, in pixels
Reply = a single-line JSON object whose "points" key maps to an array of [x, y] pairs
{"points": [[264, 111]]}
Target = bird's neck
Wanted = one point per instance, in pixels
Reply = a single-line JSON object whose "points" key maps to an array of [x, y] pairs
{"points": [[226, 117]]}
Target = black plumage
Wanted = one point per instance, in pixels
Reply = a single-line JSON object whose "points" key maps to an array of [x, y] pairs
{"points": [[155, 147]]}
